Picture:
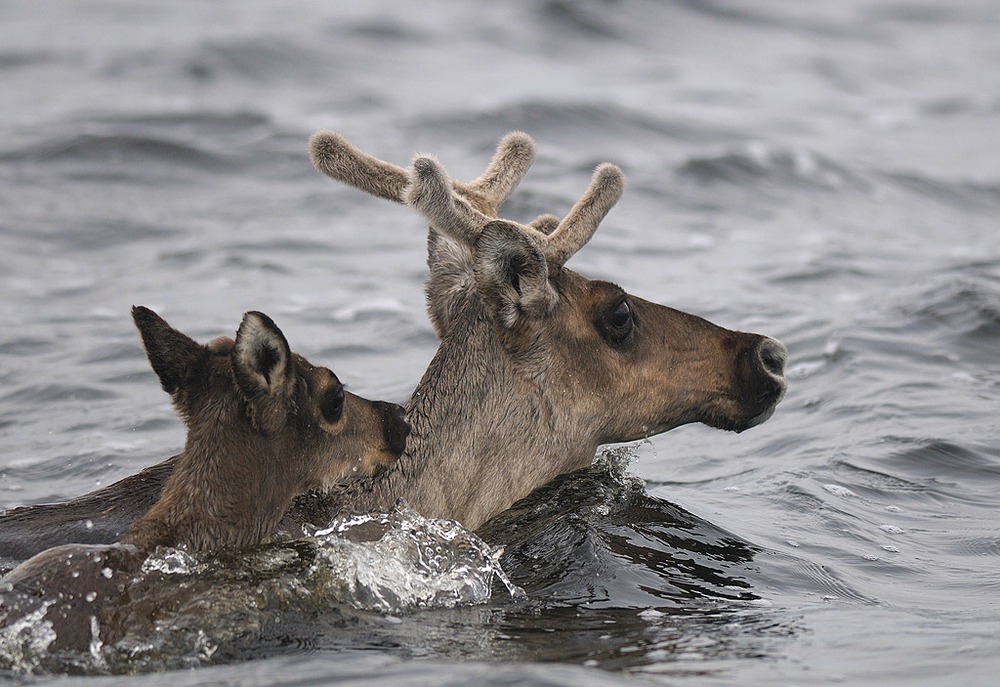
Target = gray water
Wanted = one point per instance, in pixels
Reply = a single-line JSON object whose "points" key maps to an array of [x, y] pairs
{"points": [[828, 175]]}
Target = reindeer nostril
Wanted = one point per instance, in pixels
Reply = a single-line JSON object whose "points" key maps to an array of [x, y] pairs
{"points": [[773, 356]]}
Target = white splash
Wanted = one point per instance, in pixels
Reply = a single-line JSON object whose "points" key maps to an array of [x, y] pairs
{"points": [[25, 641], [171, 561], [392, 562]]}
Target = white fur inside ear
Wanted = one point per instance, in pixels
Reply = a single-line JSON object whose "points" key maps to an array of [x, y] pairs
{"points": [[261, 352]]}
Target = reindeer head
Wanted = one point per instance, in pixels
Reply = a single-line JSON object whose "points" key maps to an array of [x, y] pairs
{"points": [[651, 367], [264, 425], [643, 368], [567, 363]]}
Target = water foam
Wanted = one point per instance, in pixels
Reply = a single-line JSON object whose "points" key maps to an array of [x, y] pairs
{"points": [[25, 641], [397, 561]]}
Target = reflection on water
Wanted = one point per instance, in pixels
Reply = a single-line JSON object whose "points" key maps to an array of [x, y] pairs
{"points": [[622, 580]]}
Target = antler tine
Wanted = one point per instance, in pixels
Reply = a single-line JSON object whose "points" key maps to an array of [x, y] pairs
{"points": [[431, 194], [579, 225], [545, 223], [339, 159], [514, 155]]}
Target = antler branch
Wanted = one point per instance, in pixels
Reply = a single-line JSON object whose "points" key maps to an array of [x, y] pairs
{"points": [[339, 159], [514, 155], [579, 225], [430, 193], [336, 157]]}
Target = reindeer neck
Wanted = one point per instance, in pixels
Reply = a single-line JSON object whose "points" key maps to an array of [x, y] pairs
{"points": [[477, 417]]}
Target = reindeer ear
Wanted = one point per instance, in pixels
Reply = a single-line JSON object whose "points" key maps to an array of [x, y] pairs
{"points": [[262, 367], [512, 274], [170, 352]]}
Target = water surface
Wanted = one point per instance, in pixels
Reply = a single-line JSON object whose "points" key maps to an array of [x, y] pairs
{"points": [[824, 175]]}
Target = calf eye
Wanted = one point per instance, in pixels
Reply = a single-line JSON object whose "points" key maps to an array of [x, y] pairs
{"points": [[331, 406]]}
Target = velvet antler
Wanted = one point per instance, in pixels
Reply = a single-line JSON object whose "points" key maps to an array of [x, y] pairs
{"points": [[339, 159], [430, 193]]}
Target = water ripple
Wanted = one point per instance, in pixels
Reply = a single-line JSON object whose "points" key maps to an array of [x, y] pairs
{"points": [[119, 155]]}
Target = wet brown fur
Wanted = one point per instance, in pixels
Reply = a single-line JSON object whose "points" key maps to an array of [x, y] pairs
{"points": [[526, 382]]}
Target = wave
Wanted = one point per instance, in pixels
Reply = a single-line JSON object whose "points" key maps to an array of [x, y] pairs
{"points": [[947, 466], [121, 157], [260, 59], [151, 148], [965, 195], [761, 166], [226, 128], [602, 519], [11, 59], [960, 309], [766, 167], [43, 394], [603, 123]]}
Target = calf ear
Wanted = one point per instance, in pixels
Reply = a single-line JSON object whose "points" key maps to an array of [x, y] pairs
{"points": [[262, 367], [170, 352], [512, 275]]}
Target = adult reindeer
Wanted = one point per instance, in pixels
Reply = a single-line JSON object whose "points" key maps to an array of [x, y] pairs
{"points": [[537, 365]]}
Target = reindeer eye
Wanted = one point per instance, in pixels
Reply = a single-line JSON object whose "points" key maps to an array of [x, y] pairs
{"points": [[331, 406], [616, 324], [621, 317]]}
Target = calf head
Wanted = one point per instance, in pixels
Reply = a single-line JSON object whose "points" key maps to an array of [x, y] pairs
{"points": [[264, 425]]}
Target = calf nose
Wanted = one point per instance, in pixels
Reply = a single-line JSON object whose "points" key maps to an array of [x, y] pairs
{"points": [[395, 429]]}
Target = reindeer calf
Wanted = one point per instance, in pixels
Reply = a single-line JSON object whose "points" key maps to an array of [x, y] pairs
{"points": [[264, 425]]}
